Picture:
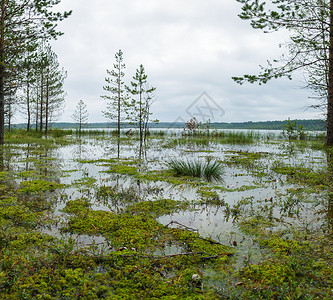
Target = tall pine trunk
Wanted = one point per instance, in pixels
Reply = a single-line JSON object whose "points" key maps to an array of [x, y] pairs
{"points": [[119, 97], [140, 120], [41, 103], [37, 108], [28, 106], [10, 114], [2, 72], [47, 105], [329, 140]]}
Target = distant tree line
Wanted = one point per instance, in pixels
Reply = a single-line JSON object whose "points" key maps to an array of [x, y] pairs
{"points": [[309, 125], [315, 124]]}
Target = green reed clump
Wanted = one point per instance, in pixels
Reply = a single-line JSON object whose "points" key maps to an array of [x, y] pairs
{"points": [[92, 132], [22, 136], [56, 133], [158, 133], [209, 170], [198, 141], [236, 137]]}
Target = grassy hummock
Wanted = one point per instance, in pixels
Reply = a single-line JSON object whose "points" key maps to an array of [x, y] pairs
{"points": [[209, 170]]}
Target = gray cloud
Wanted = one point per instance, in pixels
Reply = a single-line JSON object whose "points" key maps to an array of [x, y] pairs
{"points": [[187, 47]]}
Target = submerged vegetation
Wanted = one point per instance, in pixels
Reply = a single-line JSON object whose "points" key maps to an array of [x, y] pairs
{"points": [[223, 219]]}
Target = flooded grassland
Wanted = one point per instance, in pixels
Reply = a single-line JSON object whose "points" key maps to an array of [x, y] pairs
{"points": [[84, 218]]}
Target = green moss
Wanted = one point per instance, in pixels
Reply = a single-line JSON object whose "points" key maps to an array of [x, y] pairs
{"points": [[157, 208], [281, 246], [3, 175], [77, 206], [304, 176], [296, 269], [127, 168], [117, 195], [18, 215], [244, 158], [29, 239], [136, 257], [38, 186], [138, 242], [123, 169], [268, 273], [122, 230], [169, 177], [254, 225], [27, 174], [209, 196], [84, 181], [193, 242]]}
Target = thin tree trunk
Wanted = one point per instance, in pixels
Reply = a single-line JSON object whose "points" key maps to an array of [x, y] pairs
{"points": [[47, 105], [118, 114], [41, 103], [28, 106], [140, 120], [2, 72], [329, 140], [80, 121], [37, 103], [118, 147], [9, 113], [119, 97]]}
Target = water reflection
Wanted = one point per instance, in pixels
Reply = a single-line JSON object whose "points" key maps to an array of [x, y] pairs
{"points": [[329, 155], [80, 149]]}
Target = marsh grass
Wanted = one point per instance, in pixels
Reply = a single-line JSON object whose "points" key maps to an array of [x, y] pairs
{"points": [[209, 170], [21, 136], [236, 137], [216, 137], [91, 132], [187, 141], [158, 133]]}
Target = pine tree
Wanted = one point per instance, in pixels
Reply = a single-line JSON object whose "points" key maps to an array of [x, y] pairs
{"points": [[115, 85], [80, 115], [42, 94], [310, 49], [141, 99], [22, 24]]}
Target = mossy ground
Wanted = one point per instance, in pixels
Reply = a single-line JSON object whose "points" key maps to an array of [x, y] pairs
{"points": [[137, 264], [139, 257], [294, 268]]}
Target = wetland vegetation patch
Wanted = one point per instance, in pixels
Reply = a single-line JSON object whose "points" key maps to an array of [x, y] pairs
{"points": [[129, 228]]}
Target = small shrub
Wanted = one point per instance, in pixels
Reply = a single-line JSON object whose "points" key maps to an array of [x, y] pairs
{"points": [[293, 132]]}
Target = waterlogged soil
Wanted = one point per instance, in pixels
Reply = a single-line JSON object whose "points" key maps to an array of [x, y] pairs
{"points": [[81, 220]]}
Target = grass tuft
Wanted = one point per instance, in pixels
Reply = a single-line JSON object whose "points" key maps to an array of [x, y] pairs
{"points": [[210, 170]]}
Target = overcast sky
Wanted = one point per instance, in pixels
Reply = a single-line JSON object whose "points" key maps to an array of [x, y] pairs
{"points": [[187, 47]]}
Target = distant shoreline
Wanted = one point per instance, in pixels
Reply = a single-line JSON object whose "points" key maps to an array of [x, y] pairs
{"points": [[308, 125]]}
